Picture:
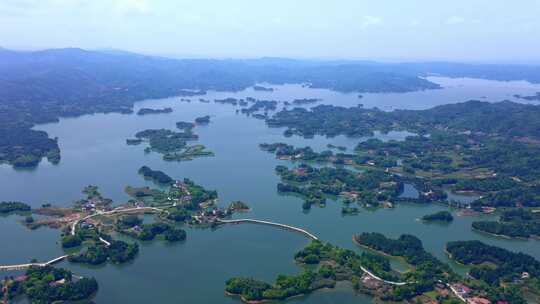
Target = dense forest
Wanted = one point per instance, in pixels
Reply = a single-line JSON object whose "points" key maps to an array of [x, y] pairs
{"points": [[52, 285], [512, 223], [441, 216], [494, 265], [10, 207], [508, 119], [156, 175]]}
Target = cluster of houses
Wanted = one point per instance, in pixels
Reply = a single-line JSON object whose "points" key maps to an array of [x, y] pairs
{"points": [[465, 294], [94, 204], [185, 189], [211, 215]]}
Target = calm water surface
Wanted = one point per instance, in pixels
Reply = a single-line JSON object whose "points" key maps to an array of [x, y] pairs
{"points": [[94, 152]]}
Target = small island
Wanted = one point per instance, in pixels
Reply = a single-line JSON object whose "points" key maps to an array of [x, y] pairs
{"points": [[171, 144], [146, 111], [203, 120], [48, 285], [441, 216], [262, 89], [238, 206]]}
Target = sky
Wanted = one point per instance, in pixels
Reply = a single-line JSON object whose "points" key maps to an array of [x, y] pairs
{"points": [[385, 30]]}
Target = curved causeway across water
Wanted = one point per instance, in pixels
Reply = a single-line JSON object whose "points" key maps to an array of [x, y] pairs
{"points": [[252, 221]]}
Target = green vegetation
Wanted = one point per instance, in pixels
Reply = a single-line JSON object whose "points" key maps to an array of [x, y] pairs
{"points": [[70, 241], [369, 188], [497, 267], [128, 221], [156, 175], [148, 232], [428, 269], [81, 235], [485, 184], [284, 287], [189, 153], [21, 146], [441, 216], [172, 145], [117, 252], [41, 86], [475, 147], [13, 207], [179, 214], [146, 111], [238, 206], [203, 120], [260, 105], [52, 285], [325, 264], [512, 223], [94, 200], [184, 125]]}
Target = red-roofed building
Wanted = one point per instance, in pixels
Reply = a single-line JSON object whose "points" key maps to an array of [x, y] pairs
{"points": [[478, 300]]}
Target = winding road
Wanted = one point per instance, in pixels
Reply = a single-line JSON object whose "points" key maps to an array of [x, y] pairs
{"points": [[136, 209]]}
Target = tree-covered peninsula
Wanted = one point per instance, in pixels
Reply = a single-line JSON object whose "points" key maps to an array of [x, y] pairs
{"points": [[512, 223]]}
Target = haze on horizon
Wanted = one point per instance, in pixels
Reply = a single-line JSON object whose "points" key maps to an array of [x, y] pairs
{"points": [[417, 30]]}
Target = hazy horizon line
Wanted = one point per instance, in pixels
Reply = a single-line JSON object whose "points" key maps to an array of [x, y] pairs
{"points": [[180, 55]]}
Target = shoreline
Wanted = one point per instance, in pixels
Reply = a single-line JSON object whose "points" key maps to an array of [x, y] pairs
{"points": [[507, 237], [384, 254]]}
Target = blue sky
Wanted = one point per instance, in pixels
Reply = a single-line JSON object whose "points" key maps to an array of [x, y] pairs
{"points": [[402, 30]]}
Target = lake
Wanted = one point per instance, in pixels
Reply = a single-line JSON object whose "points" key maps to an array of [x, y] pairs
{"points": [[94, 152]]}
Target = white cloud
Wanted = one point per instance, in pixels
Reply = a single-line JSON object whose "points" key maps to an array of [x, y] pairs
{"points": [[368, 21], [455, 20], [126, 6], [414, 22]]}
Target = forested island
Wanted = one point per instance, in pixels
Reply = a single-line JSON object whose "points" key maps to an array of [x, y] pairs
{"points": [[441, 216], [146, 111], [203, 120], [172, 144], [48, 285]]}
